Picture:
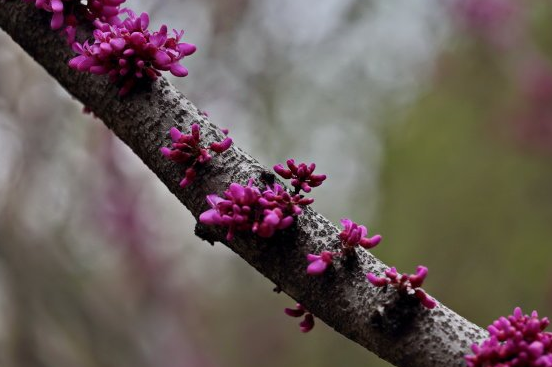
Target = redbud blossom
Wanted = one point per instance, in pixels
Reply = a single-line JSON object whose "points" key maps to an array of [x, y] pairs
{"points": [[515, 341], [302, 177], [276, 196], [52, 6], [308, 321], [233, 212], [319, 263], [405, 283], [355, 235], [352, 235], [63, 11], [186, 149], [245, 208], [106, 11], [128, 52]]}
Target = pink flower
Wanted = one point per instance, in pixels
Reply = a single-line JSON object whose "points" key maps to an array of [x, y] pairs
{"points": [[105, 10], [235, 211], [246, 209], [405, 284], [515, 341], [186, 149], [302, 176], [319, 263], [273, 220], [308, 321], [355, 235], [352, 235], [128, 52], [276, 196]]}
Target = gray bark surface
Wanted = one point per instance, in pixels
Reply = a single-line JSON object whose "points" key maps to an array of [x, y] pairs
{"points": [[396, 329]]}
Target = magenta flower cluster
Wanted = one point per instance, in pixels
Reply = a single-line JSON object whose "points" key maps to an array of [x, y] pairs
{"points": [[128, 52], [308, 321], [125, 49], [301, 175], [186, 149], [246, 208], [263, 212], [63, 11], [351, 236], [405, 283], [354, 235], [515, 341], [106, 11]]}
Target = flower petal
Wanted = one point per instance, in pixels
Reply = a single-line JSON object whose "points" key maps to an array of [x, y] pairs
{"points": [[317, 267]]}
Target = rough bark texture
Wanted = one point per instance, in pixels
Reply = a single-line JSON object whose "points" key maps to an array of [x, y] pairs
{"points": [[398, 330]]}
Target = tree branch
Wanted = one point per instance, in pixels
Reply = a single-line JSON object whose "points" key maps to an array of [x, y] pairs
{"points": [[398, 330]]}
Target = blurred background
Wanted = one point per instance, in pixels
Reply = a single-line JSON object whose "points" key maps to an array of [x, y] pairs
{"points": [[432, 119]]}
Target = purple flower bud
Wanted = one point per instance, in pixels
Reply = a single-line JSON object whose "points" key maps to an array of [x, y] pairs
{"points": [[210, 217], [175, 134], [262, 214], [221, 146], [355, 235], [417, 280], [186, 149], [295, 312], [286, 222], [190, 175], [234, 211], [535, 349], [204, 156], [305, 201], [126, 50], [302, 177], [426, 300], [308, 321], [195, 132], [378, 282], [319, 263], [405, 284], [391, 273], [307, 324], [285, 173], [516, 340]]}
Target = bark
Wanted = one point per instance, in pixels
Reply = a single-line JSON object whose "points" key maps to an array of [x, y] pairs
{"points": [[396, 329]]}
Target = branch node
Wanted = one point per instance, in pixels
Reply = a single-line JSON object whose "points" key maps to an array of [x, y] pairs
{"points": [[204, 233], [395, 316]]}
